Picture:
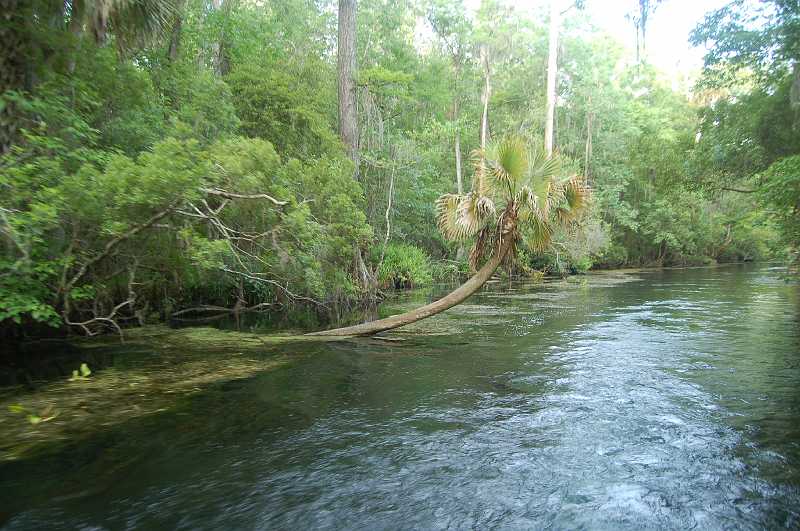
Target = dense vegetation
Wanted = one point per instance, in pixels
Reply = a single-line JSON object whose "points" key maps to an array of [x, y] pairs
{"points": [[169, 159]]}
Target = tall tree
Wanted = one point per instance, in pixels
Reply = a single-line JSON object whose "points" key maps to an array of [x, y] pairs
{"points": [[552, 71], [487, 94], [347, 71], [176, 32], [640, 17]]}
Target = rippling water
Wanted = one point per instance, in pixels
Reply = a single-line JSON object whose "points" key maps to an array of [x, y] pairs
{"points": [[671, 401]]}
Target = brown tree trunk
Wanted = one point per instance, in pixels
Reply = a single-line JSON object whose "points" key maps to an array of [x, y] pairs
{"points": [[455, 297], [346, 65], [221, 61], [175, 34], [348, 109], [12, 66]]}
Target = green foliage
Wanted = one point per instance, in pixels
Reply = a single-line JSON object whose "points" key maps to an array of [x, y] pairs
{"points": [[763, 37], [749, 136], [781, 195], [404, 266], [282, 109], [113, 194]]}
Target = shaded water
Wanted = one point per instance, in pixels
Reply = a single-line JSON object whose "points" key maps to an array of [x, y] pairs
{"points": [[669, 401]]}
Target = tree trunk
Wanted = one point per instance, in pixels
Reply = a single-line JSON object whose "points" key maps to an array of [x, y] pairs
{"points": [[588, 151], [461, 252], [12, 66], [346, 65], [75, 27], [487, 92], [455, 297], [175, 34], [348, 108], [552, 68], [220, 59], [459, 179]]}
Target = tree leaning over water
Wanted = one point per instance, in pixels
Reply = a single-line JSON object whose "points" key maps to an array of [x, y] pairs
{"points": [[517, 197]]}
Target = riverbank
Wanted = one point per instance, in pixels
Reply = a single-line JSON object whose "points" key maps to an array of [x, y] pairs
{"points": [[156, 367]]}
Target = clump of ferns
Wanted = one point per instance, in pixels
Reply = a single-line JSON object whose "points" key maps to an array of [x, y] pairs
{"points": [[517, 194]]}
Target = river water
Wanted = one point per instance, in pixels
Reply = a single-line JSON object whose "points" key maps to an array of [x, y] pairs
{"points": [[660, 399]]}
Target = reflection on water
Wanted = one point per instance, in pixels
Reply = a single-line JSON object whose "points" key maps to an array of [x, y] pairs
{"points": [[670, 401]]}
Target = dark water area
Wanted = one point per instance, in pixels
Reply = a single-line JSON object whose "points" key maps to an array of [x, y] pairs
{"points": [[664, 399]]}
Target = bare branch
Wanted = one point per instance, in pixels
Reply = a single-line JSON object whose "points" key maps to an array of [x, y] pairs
{"points": [[272, 282], [110, 319], [740, 190], [231, 195], [222, 309], [112, 244]]}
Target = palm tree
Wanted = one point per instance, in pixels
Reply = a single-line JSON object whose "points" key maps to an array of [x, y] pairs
{"points": [[517, 197], [133, 21]]}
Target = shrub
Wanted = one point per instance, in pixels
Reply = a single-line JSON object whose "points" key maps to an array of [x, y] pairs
{"points": [[404, 266]]}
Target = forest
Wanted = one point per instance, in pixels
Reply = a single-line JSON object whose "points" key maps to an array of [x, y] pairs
{"points": [[184, 159]]}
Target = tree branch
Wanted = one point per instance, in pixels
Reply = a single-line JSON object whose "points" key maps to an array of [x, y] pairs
{"points": [[231, 195], [111, 245], [740, 190], [272, 282]]}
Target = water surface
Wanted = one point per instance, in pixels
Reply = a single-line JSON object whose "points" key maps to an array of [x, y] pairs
{"points": [[671, 400]]}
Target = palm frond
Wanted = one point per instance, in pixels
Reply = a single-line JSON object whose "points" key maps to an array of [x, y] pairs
{"points": [[447, 216], [484, 206], [133, 22], [484, 243], [564, 215], [570, 200], [538, 233], [462, 216], [508, 162], [528, 204], [544, 167], [542, 174], [474, 212], [575, 194]]}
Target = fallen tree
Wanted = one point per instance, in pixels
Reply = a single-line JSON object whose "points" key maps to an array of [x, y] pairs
{"points": [[533, 201], [454, 298]]}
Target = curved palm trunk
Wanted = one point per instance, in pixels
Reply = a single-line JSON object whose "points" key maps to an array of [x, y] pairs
{"points": [[455, 297]]}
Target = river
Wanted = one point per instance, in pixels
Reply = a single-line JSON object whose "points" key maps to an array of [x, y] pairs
{"points": [[657, 399]]}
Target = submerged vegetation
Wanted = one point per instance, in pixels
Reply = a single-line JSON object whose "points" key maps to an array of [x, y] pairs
{"points": [[179, 158], [68, 408]]}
